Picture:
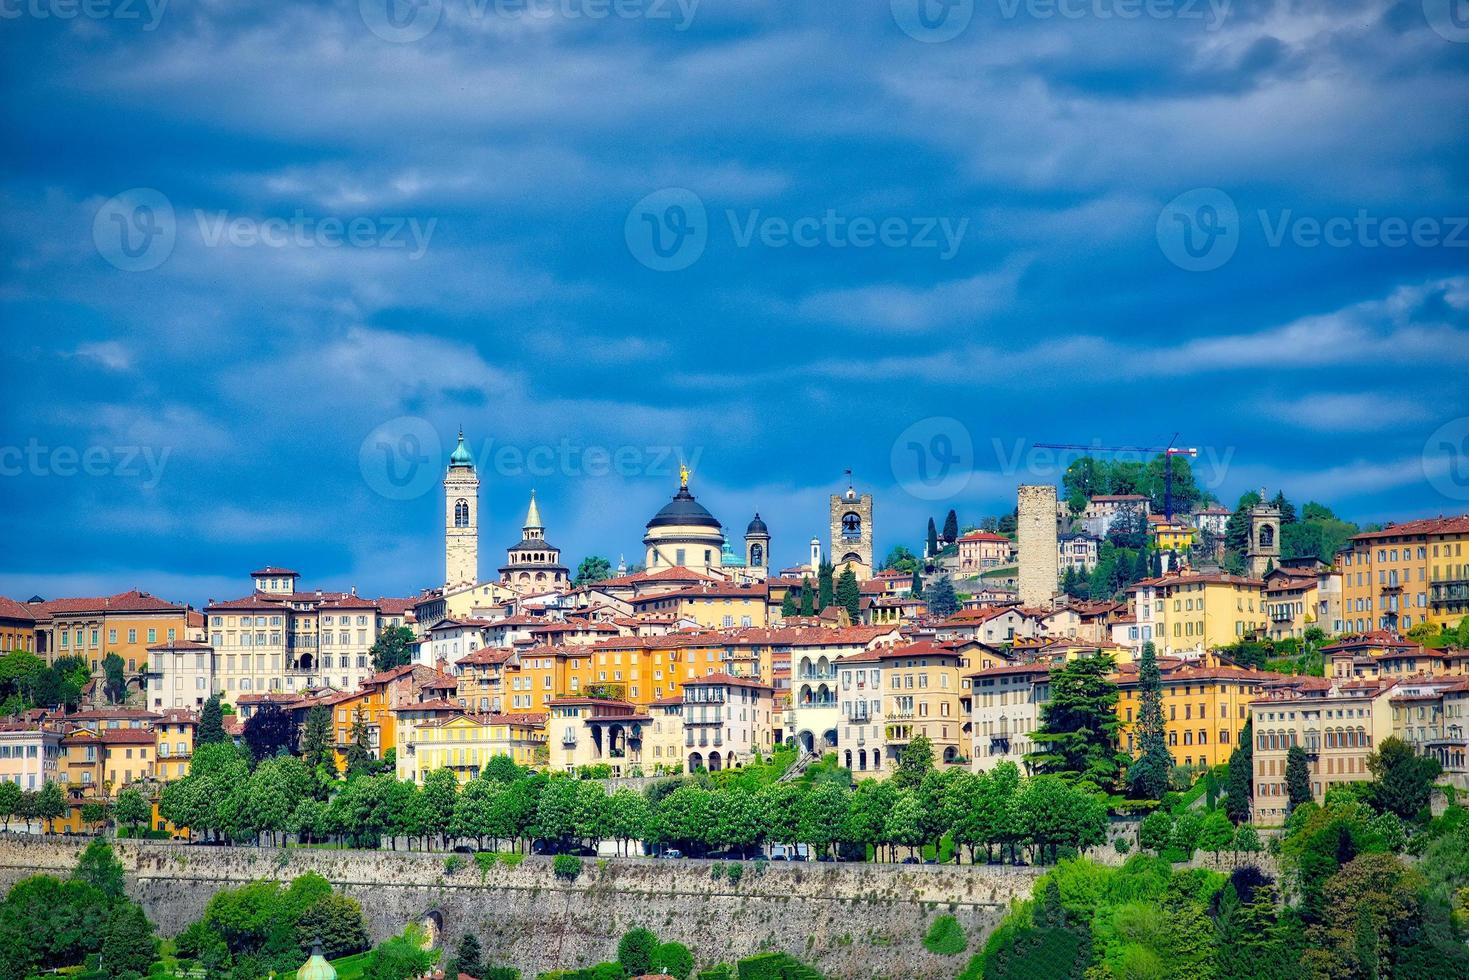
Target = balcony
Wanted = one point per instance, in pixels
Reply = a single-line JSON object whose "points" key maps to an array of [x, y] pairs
{"points": [[1444, 592], [817, 675], [568, 741], [999, 745], [901, 713], [818, 703]]}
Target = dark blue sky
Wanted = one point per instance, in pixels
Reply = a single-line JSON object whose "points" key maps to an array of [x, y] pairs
{"points": [[247, 246]]}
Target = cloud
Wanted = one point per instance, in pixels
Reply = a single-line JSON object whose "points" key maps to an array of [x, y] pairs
{"points": [[109, 354], [905, 309], [1344, 412]]}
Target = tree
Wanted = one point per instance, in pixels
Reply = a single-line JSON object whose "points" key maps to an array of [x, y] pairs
{"points": [[808, 598], [49, 805], [400, 957], [673, 959], [788, 605], [904, 824], [915, 762], [1079, 725], [823, 816], [132, 810], [467, 959], [10, 797], [1217, 834], [635, 951], [951, 528], [101, 869], [336, 922], [900, 559], [130, 947], [1247, 839], [1240, 780], [360, 759], [1148, 775], [940, 597], [316, 737], [392, 648], [593, 568], [1403, 779], [1154, 831], [915, 587], [211, 723], [115, 685], [933, 540], [824, 590], [270, 731], [849, 595], [1297, 777]]}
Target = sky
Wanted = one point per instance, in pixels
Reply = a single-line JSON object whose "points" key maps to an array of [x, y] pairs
{"points": [[260, 262]]}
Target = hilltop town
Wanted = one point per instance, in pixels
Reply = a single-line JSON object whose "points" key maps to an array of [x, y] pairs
{"points": [[1160, 671]]}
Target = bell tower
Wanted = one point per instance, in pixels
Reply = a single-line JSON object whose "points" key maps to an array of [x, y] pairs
{"points": [[851, 531], [461, 519], [757, 547], [1263, 549]]}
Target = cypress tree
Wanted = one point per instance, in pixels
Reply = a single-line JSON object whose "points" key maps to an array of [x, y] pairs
{"points": [[788, 606], [808, 598], [211, 722], [1297, 777], [849, 595], [915, 588], [933, 539], [1148, 776], [951, 527], [824, 585], [1238, 783]]}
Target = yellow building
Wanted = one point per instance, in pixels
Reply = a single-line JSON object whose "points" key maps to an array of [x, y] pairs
{"points": [[1192, 611], [373, 704], [1337, 725], [1205, 708], [1174, 535], [923, 693], [711, 605], [595, 731], [17, 627], [1406, 575], [125, 624], [30, 754], [467, 743], [663, 740], [174, 744], [1291, 601]]}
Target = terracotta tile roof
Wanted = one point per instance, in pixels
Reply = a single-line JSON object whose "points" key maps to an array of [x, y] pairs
{"points": [[1427, 525], [677, 573], [1196, 578], [275, 570], [437, 704], [728, 680], [984, 536], [1007, 670], [10, 609], [130, 601], [486, 656], [181, 646]]}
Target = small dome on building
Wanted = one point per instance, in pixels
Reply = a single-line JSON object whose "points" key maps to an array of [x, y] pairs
{"points": [[460, 456], [757, 526], [316, 968]]}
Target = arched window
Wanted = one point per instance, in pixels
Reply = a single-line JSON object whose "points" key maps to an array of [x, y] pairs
{"points": [[851, 525], [461, 513], [757, 556]]}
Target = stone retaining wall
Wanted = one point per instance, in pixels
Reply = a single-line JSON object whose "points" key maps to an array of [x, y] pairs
{"points": [[850, 921]]}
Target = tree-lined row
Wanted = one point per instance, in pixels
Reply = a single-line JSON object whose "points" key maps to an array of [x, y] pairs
{"points": [[995, 813]]}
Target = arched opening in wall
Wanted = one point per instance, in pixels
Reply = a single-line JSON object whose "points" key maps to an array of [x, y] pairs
{"points": [[714, 762], [807, 741], [433, 927]]}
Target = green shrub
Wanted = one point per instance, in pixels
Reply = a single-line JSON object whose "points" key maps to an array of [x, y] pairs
{"points": [[484, 860], [511, 859], [945, 937], [716, 871], [673, 959], [566, 866], [1122, 845], [735, 873], [453, 863]]}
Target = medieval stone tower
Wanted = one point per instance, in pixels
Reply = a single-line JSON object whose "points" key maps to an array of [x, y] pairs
{"points": [[757, 547], [1040, 563], [461, 519], [851, 531], [1264, 546]]}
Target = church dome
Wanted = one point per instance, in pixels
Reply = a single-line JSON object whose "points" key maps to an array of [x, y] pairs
{"points": [[684, 511], [757, 526]]}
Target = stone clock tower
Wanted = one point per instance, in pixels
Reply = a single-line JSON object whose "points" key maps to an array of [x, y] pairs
{"points": [[461, 519], [851, 531]]}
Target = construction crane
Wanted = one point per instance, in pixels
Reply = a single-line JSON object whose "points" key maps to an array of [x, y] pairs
{"points": [[1169, 451]]}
